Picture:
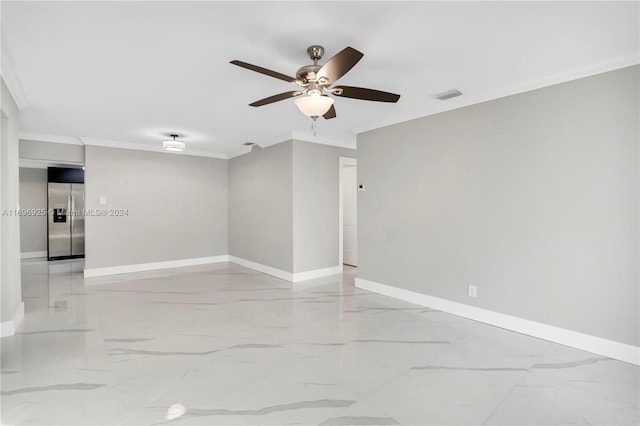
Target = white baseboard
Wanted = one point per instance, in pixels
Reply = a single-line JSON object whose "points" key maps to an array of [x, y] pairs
{"points": [[286, 275], [317, 273], [33, 254], [8, 328], [278, 273], [141, 267], [586, 342]]}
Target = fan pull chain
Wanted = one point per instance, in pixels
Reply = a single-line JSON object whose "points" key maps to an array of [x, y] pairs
{"points": [[313, 125]]}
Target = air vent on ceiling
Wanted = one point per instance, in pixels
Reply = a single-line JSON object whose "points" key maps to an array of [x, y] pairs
{"points": [[448, 94]]}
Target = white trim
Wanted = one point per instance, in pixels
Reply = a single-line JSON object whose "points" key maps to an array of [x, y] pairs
{"points": [[586, 342], [317, 273], [28, 163], [41, 137], [471, 99], [239, 152], [33, 254], [301, 136], [265, 143], [9, 75], [274, 140], [278, 273], [285, 275], [288, 136], [154, 148], [8, 328], [342, 161], [140, 267]]}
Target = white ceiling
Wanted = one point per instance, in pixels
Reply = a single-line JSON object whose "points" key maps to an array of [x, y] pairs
{"points": [[134, 72]]}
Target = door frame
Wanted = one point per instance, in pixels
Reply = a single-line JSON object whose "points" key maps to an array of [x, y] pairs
{"points": [[342, 161]]}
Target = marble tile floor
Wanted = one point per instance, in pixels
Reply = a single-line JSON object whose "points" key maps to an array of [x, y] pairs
{"points": [[235, 346]]}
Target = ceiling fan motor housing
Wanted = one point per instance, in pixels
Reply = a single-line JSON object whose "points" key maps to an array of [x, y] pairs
{"points": [[308, 73]]}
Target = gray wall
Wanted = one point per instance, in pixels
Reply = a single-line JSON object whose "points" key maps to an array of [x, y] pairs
{"points": [[315, 205], [260, 206], [33, 195], [177, 207], [283, 205], [532, 197], [11, 292], [48, 151]]}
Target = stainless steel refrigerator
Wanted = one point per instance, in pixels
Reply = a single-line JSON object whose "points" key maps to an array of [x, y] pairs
{"points": [[66, 220]]}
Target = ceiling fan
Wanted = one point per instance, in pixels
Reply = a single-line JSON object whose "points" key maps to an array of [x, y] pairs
{"points": [[315, 82]]}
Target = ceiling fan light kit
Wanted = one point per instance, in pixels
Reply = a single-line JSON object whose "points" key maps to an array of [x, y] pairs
{"points": [[173, 145], [315, 82], [314, 105]]}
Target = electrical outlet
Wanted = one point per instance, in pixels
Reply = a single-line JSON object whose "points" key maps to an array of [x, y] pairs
{"points": [[473, 291]]}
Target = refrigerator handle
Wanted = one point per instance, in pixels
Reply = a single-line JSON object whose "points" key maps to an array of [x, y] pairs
{"points": [[72, 205]]}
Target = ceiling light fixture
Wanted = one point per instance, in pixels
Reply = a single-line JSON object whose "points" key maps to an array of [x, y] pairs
{"points": [[173, 144], [314, 105]]}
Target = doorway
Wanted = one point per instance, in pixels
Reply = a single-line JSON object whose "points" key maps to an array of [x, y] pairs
{"points": [[348, 214], [44, 215]]}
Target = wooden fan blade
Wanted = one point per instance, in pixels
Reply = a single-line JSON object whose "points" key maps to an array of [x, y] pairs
{"points": [[276, 98], [264, 71], [340, 64], [364, 94], [331, 113]]}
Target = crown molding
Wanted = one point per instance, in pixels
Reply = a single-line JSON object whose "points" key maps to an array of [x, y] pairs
{"points": [[41, 137], [241, 151], [9, 75], [470, 99], [274, 140], [301, 136], [293, 135], [298, 136], [28, 163], [263, 143], [153, 148], [70, 140]]}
